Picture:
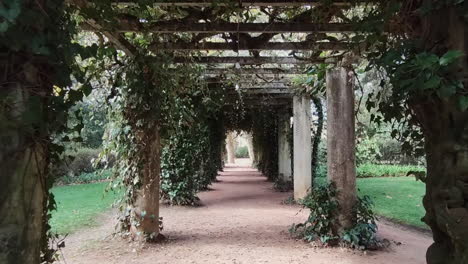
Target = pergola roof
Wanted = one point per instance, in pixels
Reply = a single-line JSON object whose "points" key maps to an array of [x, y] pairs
{"points": [[242, 3], [211, 32]]}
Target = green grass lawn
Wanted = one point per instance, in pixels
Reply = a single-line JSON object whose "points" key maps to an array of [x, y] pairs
{"points": [[78, 206], [397, 198]]}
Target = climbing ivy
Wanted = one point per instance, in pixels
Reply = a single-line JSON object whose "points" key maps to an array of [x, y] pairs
{"points": [[146, 102], [265, 142], [320, 226], [191, 154], [38, 64]]}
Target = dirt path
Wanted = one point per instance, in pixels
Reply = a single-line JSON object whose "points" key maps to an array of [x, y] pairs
{"points": [[242, 220]]}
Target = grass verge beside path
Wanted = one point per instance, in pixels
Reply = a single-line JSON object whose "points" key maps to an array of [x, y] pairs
{"points": [[79, 205], [397, 198]]}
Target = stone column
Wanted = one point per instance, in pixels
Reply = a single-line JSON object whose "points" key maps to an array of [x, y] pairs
{"points": [[284, 149], [249, 140], [231, 148], [341, 143], [145, 222], [302, 146]]}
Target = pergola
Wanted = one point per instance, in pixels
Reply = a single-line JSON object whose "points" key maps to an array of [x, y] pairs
{"points": [[265, 45], [314, 41]]}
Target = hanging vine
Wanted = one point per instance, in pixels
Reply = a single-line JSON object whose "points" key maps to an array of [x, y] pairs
{"points": [[191, 155], [317, 135]]}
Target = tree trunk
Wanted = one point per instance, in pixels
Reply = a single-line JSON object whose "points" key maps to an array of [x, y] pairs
{"points": [[146, 207], [446, 200], [24, 161], [445, 128]]}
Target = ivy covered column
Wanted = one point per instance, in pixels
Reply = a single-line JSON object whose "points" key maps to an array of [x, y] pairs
{"points": [[341, 144], [284, 149], [146, 206], [34, 48], [302, 146]]}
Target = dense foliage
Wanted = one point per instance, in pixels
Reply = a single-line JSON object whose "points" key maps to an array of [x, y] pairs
{"points": [[191, 154], [319, 226], [148, 105], [37, 64], [265, 142], [242, 152]]}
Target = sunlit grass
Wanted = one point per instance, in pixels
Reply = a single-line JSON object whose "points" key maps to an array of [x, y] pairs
{"points": [[79, 206], [396, 198]]}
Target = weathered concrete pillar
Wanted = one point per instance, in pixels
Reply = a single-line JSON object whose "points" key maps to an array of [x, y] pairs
{"points": [[231, 148], [341, 143], [249, 138], [284, 149], [302, 147]]}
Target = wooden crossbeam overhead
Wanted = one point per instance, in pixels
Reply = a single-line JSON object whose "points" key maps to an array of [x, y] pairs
{"points": [[245, 46], [255, 91], [246, 60], [250, 71], [260, 102], [175, 27], [243, 3], [255, 83], [252, 77]]}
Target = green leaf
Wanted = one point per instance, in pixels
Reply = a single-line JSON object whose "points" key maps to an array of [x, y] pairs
{"points": [[447, 90], [450, 57], [433, 82], [463, 102]]}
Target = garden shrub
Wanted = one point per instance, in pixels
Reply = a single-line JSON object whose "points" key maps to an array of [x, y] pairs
{"points": [[75, 163], [242, 152], [91, 177], [82, 161], [382, 170], [319, 223], [369, 170], [318, 226], [362, 235]]}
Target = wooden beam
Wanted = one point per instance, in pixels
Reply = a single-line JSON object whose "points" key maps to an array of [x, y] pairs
{"points": [[174, 27], [261, 90], [243, 3], [246, 83], [250, 71], [259, 102], [245, 60], [247, 46]]}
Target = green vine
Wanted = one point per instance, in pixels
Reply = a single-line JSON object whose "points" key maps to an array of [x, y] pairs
{"points": [[38, 59]]}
